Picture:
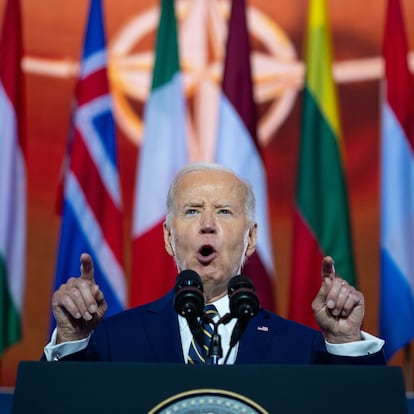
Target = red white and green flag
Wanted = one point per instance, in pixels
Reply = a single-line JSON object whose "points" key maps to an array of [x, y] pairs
{"points": [[321, 224], [163, 153], [12, 179]]}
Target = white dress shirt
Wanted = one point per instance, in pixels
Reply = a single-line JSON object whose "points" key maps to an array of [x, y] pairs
{"points": [[225, 331]]}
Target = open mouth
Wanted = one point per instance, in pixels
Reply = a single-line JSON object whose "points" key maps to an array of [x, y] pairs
{"points": [[206, 254]]}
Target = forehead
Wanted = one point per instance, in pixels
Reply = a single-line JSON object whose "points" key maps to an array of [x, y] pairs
{"points": [[220, 185]]}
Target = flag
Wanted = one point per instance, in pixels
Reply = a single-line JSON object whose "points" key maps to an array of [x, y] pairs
{"points": [[162, 154], [92, 218], [321, 224], [397, 188], [12, 178], [237, 145]]}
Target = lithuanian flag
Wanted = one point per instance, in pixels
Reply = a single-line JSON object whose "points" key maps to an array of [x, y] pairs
{"points": [[321, 221]]}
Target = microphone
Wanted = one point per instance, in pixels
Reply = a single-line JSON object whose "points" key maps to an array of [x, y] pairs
{"points": [[244, 304], [189, 300]]}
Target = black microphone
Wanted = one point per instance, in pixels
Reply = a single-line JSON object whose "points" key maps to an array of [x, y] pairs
{"points": [[244, 304], [189, 300]]}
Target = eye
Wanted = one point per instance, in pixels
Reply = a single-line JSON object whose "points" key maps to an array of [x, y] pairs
{"points": [[191, 212], [224, 212]]}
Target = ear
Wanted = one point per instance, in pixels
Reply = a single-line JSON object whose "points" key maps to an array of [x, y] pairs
{"points": [[251, 246], [167, 239]]}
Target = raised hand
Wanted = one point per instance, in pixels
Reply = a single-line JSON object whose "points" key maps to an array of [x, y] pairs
{"points": [[338, 307], [78, 305]]}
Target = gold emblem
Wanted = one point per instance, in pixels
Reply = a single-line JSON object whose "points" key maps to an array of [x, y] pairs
{"points": [[202, 37], [208, 401]]}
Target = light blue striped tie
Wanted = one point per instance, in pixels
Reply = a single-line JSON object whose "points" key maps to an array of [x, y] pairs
{"points": [[196, 353]]}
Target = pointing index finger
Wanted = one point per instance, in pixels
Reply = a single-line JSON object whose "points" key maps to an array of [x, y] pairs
{"points": [[86, 267], [328, 268]]}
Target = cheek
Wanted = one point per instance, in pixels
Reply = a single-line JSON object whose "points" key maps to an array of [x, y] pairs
{"points": [[239, 242], [181, 239]]}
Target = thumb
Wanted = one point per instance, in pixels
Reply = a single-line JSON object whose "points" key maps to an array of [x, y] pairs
{"points": [[86, 267]]}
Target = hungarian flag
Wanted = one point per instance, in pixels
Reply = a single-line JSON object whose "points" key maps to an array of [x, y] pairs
{"points": [[12, 178], [162, 154], [321, 223], [92, 218], [397, 188], [237, 145]]}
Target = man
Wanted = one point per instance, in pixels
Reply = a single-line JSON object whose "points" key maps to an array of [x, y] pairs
{"points": [[209, 228]]}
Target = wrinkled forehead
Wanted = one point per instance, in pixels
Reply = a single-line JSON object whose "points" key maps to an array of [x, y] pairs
{"points": [[222, 186]]}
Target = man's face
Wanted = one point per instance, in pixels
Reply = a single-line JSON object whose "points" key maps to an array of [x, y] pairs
{"points": [[209, 231]]}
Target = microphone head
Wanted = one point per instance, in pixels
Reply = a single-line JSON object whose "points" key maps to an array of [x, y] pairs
{"points": [[188, 277], [189, 297], [244, 303]]}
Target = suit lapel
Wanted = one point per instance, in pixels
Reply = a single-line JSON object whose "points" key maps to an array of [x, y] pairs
{"points": [[163, 333], [256, 339], [162, 330]]}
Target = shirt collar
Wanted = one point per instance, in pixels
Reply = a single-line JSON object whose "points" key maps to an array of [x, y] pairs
{"points": [[222, 305]]}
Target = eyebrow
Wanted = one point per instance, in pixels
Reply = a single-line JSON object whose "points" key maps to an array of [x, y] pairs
{"points": [[201, 204], [226, 205], [193, 204]]}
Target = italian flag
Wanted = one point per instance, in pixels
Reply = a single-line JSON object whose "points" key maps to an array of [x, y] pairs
{"points": [[162, 154], [12, 179], [321, 220]]}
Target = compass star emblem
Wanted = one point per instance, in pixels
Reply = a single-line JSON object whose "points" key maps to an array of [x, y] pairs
{"points": [[277, 74]]}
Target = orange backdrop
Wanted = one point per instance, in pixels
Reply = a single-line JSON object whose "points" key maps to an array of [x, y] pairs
{"points": [[53, 33]]}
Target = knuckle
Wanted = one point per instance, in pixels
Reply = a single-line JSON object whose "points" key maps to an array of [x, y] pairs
{"points": [[66, 302], [75, 293]]}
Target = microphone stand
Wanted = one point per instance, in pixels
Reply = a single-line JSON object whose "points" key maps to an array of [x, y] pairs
{"points": [[215, 349], [235, 336]]}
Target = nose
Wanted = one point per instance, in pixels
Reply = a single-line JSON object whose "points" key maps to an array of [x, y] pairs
{"points": [[207, 223]]}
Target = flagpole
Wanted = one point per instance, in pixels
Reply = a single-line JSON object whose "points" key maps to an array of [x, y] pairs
{"points": [[408, 368]]}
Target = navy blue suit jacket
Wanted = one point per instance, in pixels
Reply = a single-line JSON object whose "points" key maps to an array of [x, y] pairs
{"points": [[150, 333]]}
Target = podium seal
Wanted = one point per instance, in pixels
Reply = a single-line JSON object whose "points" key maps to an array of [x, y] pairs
{"points": [[206, 401]]}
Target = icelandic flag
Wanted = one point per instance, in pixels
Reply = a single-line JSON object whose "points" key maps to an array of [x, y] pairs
{"points": [[92, 218]]}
